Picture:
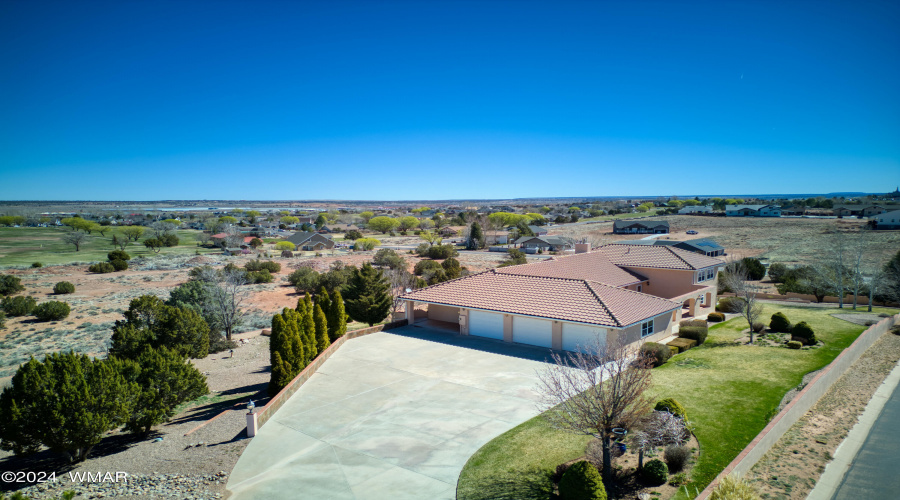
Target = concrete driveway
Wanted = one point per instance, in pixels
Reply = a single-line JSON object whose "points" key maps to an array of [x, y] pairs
{"points": [[391, 415]]}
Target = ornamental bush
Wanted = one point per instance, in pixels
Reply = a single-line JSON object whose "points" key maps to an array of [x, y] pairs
{"points": [[715, 317], [804, 332], [101, 268], [581, 481], [53, 310], [672, 406], [677, 456], [758, 327], [18, 306], [701, 323], [734, 488], [780, 323], [729, 304], [655, 472], [694, 333], [794, 344], [63, 287], [659, 353]]}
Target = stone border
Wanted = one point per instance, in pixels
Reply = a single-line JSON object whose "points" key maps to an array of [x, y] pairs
{"points": [[805, 400], [259, 418]]}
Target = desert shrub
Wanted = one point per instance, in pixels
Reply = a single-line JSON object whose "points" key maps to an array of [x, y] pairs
{"points": [[441, 251], [755, 269], [36, 265], [734, 488], [287, 253], [780, 323], [695, 333], [672, 406], [655, 472], [715, 317], [53, 310], [658, 352], [168, 240], [677, 456], [63, 287], [101, 267], [386, 257], [263, 276], [794, 344], [304, 279], [758, 327], [804, 332], [258, 265], [119, 264], [427, 266], [581, 481], [777, 272], [118, 255], [10, 284], [219, 343], [729, 304], [2, 320], [18, 306]]}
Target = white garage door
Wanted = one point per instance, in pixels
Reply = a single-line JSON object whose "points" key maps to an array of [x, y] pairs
{"points": [[575, 336], [532, 331], [486, 324]]}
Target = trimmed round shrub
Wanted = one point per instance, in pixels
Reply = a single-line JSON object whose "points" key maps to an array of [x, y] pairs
{"points": [[10, 284], [53, 310], [694, 333], [581, 481], [36, 265], [758, 327], [677, 456], [803, 332], [794, 344], [699, 323], [655, 472], [672, 406], [18, 306], [658, 352], [101, 267], [780, 323], [715, 317], [63, 287], [118, 255], [729, 304], [119, 265]]}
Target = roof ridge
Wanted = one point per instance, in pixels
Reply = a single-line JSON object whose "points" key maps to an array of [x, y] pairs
{"points": [[587, 284], [642, 294], [672, 249]]}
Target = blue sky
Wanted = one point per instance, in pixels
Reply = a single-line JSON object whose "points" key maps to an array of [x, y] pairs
{"points": [[147, 100]]}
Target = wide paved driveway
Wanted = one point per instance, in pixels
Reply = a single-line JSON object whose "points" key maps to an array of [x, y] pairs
{"points": [[391, 415]]}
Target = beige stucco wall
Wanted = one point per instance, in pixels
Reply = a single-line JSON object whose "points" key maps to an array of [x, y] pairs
{"points": [[666, 282], [662, 328], [449, 314]]}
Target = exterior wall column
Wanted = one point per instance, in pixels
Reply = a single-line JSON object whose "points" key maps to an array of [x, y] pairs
{"points": [[507, 328], [463, 321], [556, 341], [692, 307], [410, 311]]}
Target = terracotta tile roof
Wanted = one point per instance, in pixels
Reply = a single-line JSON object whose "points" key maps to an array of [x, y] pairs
{"points": [[592, 266], [547, 297], [660, 257]]}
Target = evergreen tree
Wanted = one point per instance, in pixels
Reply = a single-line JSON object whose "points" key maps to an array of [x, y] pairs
{"points": [[308, 324], [281, 374], [323, 300], [368, 295], [337, 317], [297, 354], [184, 331], [476, 237], [149, 323], [321, 323]]}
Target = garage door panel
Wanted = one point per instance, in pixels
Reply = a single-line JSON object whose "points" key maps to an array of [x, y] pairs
{"points": [[532, 331], [486, 324], [578, 337]]}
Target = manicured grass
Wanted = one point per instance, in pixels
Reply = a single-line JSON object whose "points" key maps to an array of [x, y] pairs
{"points": [[730, 392], [25, 245], [636, 215]]}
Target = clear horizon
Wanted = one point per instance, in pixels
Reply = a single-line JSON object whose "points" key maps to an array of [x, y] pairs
{"points": [[341, 101]]}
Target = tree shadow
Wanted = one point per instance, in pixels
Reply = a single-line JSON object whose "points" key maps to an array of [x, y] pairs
{"points": [[257, 393], [533, 484], [240, 436]]}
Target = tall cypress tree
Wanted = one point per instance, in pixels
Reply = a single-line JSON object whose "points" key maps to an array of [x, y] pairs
{"points": [[281, 374], [323, 300], [337, 317], [321, 322], [308, 324], [368, 295], [476, 237]]}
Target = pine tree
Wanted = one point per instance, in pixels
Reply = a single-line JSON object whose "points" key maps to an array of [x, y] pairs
{"points": [[476, 237], [321, 323], [337, 317], [368, 295]]}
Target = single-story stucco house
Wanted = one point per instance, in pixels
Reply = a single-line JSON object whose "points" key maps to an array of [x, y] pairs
{"points": [[311, 240], [752, 211], [640, 227]]}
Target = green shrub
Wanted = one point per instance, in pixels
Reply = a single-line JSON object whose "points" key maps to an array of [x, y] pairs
{"points": [[700, 323], [427, 266], [794, 344], [118, 255], [729, 304], [101, 268], [2, 320], [18, 306], [780, 323], [168, 240], [263, 276], [758, 327], [581, 481], [733, 488], [63, 287], [678, 479], [694, 333], [804, 332], [777, 272], [658, 352], [755, 269], [258, 265], [10, 284], [672, 406], [352, 234], [655, 472], [715, 317], [677, 456], [53, 310], [119, 265], [36, 265]]}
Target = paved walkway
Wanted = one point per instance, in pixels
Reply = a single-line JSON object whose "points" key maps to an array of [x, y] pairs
{"points": [[391, 415], [865, 463]]}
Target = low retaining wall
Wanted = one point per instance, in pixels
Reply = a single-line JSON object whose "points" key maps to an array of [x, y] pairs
{"points": [[261, 416], [802, 402], [828, 299]]}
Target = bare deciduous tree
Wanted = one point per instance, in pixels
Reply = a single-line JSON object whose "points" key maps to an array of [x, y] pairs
{"points": [[227, 295], [596, 390], [76, 238], [832, 268], [162, 228], [401, 280], [736, 279], [661, 428]]}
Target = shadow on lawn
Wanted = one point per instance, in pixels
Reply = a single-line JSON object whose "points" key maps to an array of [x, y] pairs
{"points": [[255, 392], [532, 484]]}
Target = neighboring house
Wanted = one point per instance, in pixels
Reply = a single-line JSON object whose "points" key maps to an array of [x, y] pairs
{"points": [[752, 211], [695, 209], [496, 237], [888, 220], [703, 246], [859, 210], [545, 243], [311, 241], [640, 292], [448, 231], [538, 230], [640, 226], [221, 239]]}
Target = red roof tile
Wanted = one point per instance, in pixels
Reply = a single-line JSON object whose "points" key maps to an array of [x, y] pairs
{"points": [[592, 266], [660, 257]]}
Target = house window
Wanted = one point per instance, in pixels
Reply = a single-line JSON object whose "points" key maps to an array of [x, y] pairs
{"points": [[646, 328], [703, 300], [640, 288]]}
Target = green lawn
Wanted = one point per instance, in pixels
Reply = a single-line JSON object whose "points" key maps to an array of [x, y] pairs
{"points": [[637, 215], [24, 245], [730, 392]]}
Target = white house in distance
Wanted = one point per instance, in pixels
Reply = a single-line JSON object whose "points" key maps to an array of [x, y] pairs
{"points": [[640, 292], [752, 211], [888, 220], [695, 209]]}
